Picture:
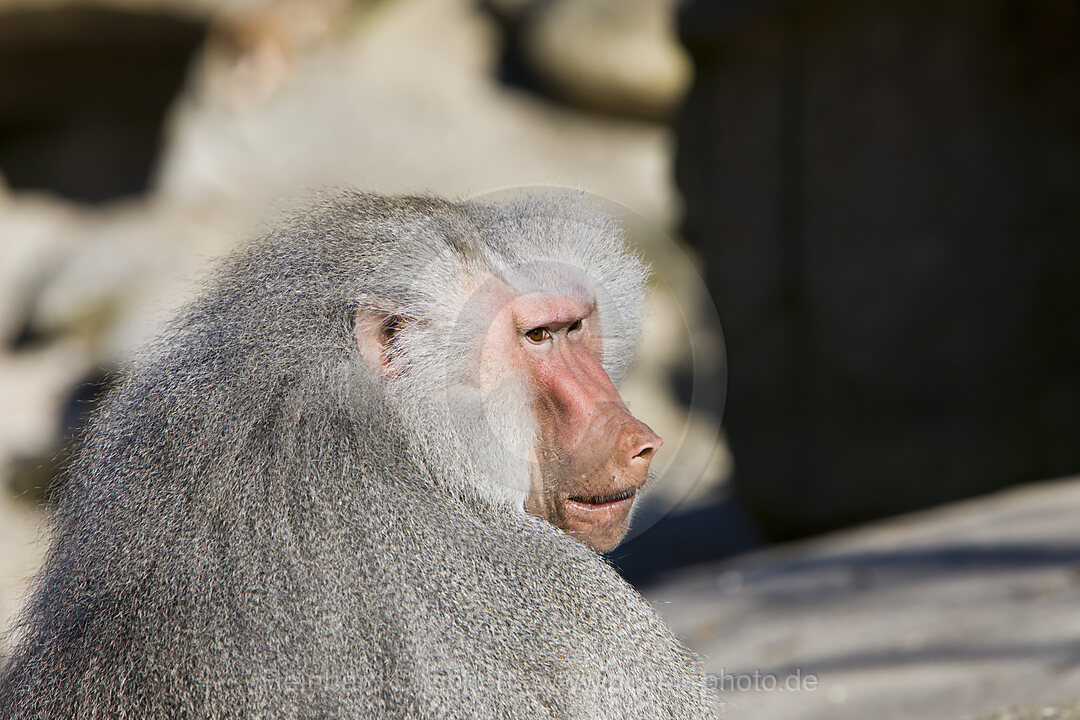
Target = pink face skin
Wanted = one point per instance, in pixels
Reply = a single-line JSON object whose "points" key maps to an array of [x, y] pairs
{"points": [[592, 455]]}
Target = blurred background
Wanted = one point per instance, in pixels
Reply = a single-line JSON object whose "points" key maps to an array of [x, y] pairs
{"points": [[878, 201]]}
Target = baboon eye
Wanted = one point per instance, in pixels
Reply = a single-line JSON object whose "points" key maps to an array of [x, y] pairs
{"points": [[391, 327], [576, 325], [538, 335]]}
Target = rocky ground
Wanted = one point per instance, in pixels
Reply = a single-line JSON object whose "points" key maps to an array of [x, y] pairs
{"points": [[947, 613]]}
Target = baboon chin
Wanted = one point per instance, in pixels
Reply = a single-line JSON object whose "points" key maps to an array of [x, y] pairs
{"points": [[367, 474]]}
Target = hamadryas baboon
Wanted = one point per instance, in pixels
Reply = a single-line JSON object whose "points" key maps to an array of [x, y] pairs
{"points": [[366, 475]]}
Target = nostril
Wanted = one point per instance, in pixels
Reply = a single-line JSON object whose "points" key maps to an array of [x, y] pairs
{"points": [[645, 453], [638, 443], [647, 446]]}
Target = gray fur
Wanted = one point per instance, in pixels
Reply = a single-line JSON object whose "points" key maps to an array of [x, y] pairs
{"points": [[260, 526]]}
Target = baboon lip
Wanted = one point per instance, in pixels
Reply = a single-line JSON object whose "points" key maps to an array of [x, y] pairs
{"points": [[601, 518], [600, 501]]}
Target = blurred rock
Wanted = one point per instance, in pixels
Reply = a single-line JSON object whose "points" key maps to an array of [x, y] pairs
{"points": [[405, 101], [513, 11], [183, 8], [253, 49], [885, 195], [20, 525], [35, 386], [36, 234], [617, 56], [946, 613], [1056, 711], [131, 267]]}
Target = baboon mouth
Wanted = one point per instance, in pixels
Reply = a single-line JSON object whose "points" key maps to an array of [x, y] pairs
{"points": [[602, 500]]}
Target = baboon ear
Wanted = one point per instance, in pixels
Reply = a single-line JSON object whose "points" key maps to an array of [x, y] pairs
{"points": [[376, 333]]}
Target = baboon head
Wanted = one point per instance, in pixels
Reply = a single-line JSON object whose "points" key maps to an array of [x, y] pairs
{"points": [[525, 319]]}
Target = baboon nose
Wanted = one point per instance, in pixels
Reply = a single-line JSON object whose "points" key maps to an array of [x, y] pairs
{"points": [[639, 444]]}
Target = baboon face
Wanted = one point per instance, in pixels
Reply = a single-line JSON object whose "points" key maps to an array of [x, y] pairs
{"points": [[591, 456]]}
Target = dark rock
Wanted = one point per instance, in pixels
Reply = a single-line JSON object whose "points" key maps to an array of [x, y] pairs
{"points": [[885, 195], [85, 92]]}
